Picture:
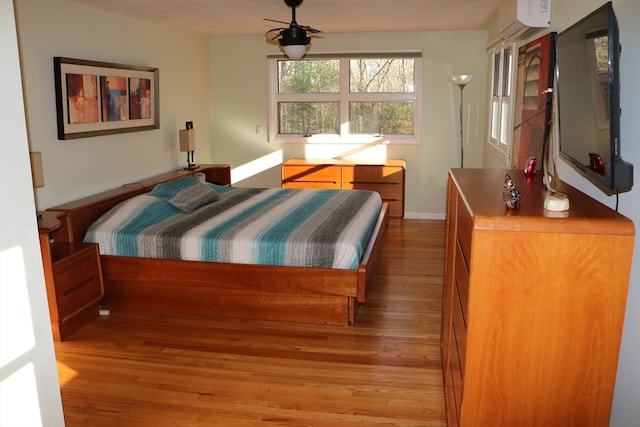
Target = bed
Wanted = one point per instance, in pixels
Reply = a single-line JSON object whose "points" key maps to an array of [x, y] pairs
{"points": [[239, 287]]}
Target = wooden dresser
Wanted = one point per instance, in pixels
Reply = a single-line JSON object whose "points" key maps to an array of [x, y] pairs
{"points": [[385, 177], [533, 305]]}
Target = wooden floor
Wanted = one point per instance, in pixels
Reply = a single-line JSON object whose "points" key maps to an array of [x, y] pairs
{"points": [[150, 369]]}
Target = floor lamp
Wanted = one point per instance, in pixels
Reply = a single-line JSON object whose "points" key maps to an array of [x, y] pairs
{"points": [[461, 80]]}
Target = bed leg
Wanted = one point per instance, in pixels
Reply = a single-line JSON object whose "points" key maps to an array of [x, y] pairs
{"points": [[352, 309]]}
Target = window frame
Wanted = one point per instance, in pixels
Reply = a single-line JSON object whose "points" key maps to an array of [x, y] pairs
{"points": [[344, 97], [500, 129]]}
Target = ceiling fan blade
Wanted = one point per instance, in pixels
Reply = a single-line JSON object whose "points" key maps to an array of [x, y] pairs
{"points": [[310, 29], [277, 31], [275, 20]]}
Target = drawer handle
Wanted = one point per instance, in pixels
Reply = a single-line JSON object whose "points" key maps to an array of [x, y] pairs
{"points": [[78, 286], [374, 182]]}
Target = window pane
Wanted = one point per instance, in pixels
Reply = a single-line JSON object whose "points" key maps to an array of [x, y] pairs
{"points": [[495, 118], [387, 75], [309, 76], [308, 118], [504, 122], [602, 54], [506, 72], [495, 91], [383, 118]]}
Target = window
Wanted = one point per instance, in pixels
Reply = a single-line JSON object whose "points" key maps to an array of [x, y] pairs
{"points": [[500, 108], [345, 98], [598, 57]]}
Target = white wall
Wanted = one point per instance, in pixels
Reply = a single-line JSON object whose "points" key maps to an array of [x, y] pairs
{"points": [[80, 167], [239, 103], [29, 391]]}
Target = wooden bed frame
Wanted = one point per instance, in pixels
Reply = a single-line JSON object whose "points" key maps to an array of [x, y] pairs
{"points": [[297, 294]]}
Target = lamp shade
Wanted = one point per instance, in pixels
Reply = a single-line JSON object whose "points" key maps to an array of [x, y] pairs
{"points": [[461, 79], [37, 174], [295, 51], [187, 139]]}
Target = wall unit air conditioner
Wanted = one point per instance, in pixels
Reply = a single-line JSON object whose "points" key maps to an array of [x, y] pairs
{"points": [[516, 18]]}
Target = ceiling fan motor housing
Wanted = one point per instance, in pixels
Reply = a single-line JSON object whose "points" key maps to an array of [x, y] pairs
{"points": [[293, 3], [293, 35]]}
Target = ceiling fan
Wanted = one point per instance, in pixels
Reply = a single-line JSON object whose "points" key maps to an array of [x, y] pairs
{"points": [[293, 39]]}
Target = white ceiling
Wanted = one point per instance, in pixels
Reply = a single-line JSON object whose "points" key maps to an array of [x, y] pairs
{"points": [[244, 17]]}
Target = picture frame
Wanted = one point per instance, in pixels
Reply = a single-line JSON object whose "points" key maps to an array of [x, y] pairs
{"points": [[101, 98], [534, 94]]}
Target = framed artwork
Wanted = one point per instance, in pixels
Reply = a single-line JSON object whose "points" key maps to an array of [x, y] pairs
{"points": [[100, 98], [534, 95]]}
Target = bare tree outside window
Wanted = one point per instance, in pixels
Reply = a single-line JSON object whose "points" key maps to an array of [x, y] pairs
{"points": [[346, 96]]}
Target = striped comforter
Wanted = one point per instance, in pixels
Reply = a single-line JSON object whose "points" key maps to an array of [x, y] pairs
{"points": [[274, 226]]}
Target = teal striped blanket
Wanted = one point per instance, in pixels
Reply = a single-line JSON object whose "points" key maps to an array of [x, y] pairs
{"points": [[270, 226]]}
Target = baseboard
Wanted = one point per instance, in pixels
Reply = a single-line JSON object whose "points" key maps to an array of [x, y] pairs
{"points": [[420, 215]]}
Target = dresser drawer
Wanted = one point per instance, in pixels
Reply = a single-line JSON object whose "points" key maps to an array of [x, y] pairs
{"points": [[396, 209], [387, 190], [462, 282], [459, 329], [372, 174], [457, 379], [311, 176], [465, 228], [450, 400]]}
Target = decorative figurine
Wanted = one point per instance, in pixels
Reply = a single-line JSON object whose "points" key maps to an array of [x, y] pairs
{"points": [[597, 164], [530, 169], [510, 194]]}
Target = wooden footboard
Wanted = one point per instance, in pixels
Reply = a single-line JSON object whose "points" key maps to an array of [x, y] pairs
{"points": [[308, 295], [222, 298], [372, 254]]}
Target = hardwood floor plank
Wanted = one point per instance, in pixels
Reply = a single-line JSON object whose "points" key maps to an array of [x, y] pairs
{"points": [[156, 369]]}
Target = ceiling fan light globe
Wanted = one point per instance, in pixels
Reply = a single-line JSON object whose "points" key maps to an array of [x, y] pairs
{"points": [[295, 51]]}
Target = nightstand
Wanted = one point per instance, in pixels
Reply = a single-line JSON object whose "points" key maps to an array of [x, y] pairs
{"points": [[216, 174], [73, 279]]}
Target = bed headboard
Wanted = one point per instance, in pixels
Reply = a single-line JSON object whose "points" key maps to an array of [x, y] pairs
{"points": [[76, 216]]}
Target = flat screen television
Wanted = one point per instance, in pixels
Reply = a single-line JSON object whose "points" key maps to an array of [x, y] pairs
{"points": [[588, 100]]}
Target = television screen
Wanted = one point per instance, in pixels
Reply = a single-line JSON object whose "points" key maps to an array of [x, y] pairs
{"points": [[588, 95]]}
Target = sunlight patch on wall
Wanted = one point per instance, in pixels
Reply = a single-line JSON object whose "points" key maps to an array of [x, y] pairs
{"points": [[16, 326], [16, 390], [254, 167], [373, 151]]}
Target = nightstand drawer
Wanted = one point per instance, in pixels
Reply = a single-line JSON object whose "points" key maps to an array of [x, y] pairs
{"points": [[85, 292], [70, 272], [76, 277]]}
